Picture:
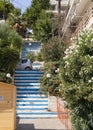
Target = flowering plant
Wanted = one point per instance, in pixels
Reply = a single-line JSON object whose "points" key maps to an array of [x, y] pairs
{"points": [[77, 79], [50, 82]]}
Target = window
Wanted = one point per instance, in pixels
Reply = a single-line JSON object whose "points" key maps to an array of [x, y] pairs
{"points": [[24, 61]]}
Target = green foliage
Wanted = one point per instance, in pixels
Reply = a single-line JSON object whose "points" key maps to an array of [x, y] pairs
{"points": [[39, 56], [10, 45], [10, 56], [50, 82], [77, 81], [31, 56], [35, 56], [43, 4], [33, 13], [53, 50], [14, 17], [5, 10], [43, 27], [40, 20], [4, 78]]}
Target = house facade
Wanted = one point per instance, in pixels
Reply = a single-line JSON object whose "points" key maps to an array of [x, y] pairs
{"points": [[78, 18], [64, 4]]}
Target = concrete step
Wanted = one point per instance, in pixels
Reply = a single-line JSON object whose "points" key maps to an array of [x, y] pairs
{"points": [[28, 72], [31, 105], [28, 89], [32, 115], [28, 75], [28, 92], [27, 81], [32, 109], [26, 84], [27, 78], [33, 99], [32, 102], [24, 106], [26, 96]]}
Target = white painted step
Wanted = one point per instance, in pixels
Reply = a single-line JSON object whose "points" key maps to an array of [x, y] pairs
{"points": [[34, 99], [31, 107], [37, 116], [33, 95], [31, 103]]}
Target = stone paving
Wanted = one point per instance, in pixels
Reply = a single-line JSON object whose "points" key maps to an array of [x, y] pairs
{"points": [[40, 124]]}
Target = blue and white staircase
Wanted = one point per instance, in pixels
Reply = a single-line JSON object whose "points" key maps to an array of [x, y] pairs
{"points": [[31, 102]]}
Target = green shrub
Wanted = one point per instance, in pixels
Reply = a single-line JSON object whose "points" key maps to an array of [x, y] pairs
{"points": [[5, 79], [31, 56], [10, 46], [53, 50], [39, 56], [77, 81], [50, 82]]}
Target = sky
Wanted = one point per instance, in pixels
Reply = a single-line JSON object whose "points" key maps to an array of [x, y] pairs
{"points": [[23, 4]]}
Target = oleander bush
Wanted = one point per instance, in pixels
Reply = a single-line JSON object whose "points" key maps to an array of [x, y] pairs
{"points": [[52, 53], [76, 74], [50, 82]]}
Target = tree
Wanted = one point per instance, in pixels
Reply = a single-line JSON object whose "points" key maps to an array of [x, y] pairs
{"points": [[16, 22], [43, 28], [14, 17], [5, 8], [10, 45], [53, 50], [33, 13]]}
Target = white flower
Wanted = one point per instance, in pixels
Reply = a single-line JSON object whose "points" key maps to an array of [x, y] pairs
{"points": [[72, 46], [70, 51], [48, 75], [92, 40], [89, 81], [76, 51], [59, 90], [67, 49], [92, 78], [67, 62], [65, 57], [91, 56], [57, 70], [8, 75], [60, 84], [77, 46]]}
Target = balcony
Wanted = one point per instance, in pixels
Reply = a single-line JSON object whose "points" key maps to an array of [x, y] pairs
{"points": [[64, 4], [80, 6]]}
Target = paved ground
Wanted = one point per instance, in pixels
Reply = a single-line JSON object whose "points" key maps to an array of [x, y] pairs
{"points": [[40, 124]]}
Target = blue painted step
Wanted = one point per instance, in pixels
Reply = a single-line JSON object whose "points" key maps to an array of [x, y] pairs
{"points": [[28, 75], [28, 72], [35, 109], [28, 89], [31, 102], [27, 78], [27, 84], [31, 96]]}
